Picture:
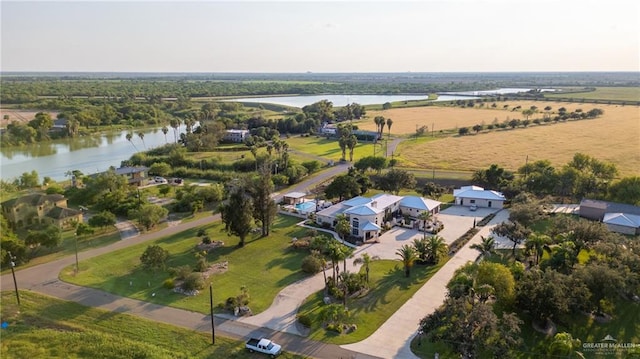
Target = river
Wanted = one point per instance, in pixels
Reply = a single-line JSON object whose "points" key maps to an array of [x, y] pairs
{"points": [[91, 154]]}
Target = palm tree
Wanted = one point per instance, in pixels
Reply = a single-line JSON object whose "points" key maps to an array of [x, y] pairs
{"points": [[129, 136], [352, 141], [336, 254], [424, 216], [389, 123], [437, 249], [538, 244], [486, 247], [421, 247], [365, 259], [408, 256], [348, 253], [141, 135], [175, 123], [164, 131], [343, 227], [379, 121]]}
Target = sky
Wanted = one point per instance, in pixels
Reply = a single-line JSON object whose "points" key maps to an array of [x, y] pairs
{"points": [[324, 36]]}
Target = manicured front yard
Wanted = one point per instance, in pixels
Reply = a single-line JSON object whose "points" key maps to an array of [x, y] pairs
{"points": [[264, 265], [390, 289], [46, 327]]}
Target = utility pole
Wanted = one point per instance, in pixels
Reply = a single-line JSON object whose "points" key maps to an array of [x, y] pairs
{"points": [[13, 273], [213, 328]]}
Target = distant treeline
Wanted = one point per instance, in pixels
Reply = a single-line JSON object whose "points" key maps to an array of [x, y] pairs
{"points": [[17, 88]]}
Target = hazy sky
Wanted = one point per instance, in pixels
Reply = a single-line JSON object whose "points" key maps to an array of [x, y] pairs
{"points": [[326, 36]]}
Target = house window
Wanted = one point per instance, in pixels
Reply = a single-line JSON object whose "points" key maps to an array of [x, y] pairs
{"points": [[356, 224], [473, 201], [354, 232]]}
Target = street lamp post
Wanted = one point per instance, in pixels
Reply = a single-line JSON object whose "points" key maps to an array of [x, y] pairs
{"points": [[13, 273], [213, 328]]}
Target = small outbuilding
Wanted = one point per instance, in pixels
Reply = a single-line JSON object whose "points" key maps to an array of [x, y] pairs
{"points": [[293, 198], [473, 195]]}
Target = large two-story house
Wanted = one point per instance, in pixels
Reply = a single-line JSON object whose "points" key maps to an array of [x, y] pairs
{"points": [[39, 208], [367, 215]]}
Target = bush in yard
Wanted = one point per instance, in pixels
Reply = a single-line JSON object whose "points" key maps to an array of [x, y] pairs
{"points": [[300, 244], [192, 282], [312, 264], [206, 240], [201, 265], [180, 272], [169, 284], [305, 320]]}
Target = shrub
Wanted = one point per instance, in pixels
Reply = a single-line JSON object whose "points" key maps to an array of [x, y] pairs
{"points": [[169, 283], [311, 264], [201, 265], [201, 232], [206, 240], [193, 281], [180, 272], [300, 244], [305, 320], [335, 328]]}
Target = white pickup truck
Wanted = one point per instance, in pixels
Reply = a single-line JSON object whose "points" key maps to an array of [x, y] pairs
{"points": [[263, 345]]}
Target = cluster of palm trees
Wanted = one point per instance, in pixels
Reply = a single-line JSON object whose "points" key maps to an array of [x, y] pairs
{"points": [[129, 138], [426, 250], [380, 121]]}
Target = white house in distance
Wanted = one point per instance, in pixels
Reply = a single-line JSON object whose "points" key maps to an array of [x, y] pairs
{"points": [[236, 135], [474, 195], [368, 215]]}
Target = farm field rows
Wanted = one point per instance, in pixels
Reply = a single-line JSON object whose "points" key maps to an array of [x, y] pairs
{"points": [[614, 137]]}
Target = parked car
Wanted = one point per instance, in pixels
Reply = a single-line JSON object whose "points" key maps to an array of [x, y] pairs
{"points": [[263, 345], [160, 180], [473, 207]]}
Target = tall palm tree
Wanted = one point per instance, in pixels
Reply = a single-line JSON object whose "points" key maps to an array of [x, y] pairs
{"points": [[141, 135], [129, 136], [437, 249], [379, 121], [422, 249], [352, 141], [537, 244], [408, 256], [175, 123], [365, 259], [164, 131], [424, 216], [389, 123], [486, 247]]}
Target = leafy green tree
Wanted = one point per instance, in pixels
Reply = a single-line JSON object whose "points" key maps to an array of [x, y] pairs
{"points": [[154, 257], [565, 346], [344, 186], [237, 214], [83, 229], [499, 277], [494, 177], [463, 131], [149, 215], [102, 219], [264, 206], [626, 190], [160, 169], [513, 231], [395, 179], [386, 106], [29, 180], [408, 256], [49, 237], [9, 242]]}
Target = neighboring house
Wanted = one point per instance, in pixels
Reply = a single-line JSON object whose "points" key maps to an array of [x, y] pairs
{"points": [[237, 136], [478, 196], [59, 124], [136, 176], [367, 215], [618, 217], [39, 208], [293, 197]]}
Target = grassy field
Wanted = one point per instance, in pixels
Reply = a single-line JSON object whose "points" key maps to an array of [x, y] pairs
{"points": [[612, 137], [265, 266], [602, 93], [328, 148], [390, 289], [441, 118], [46, 327]]}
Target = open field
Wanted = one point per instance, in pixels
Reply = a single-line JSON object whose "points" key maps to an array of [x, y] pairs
{"points": [[46, 327], [264, 265], [603, 93], [441, 118], [20, 115], [328, 148]]}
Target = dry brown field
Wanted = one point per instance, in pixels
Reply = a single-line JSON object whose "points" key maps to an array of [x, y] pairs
{"points": [[447, 118], [614, 137], [20, 115]]}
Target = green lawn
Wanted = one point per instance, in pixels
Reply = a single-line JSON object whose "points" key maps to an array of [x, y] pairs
{"points": [[602, 93], [265, 266], [390, 289], [328, 148], [46, 327]]}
